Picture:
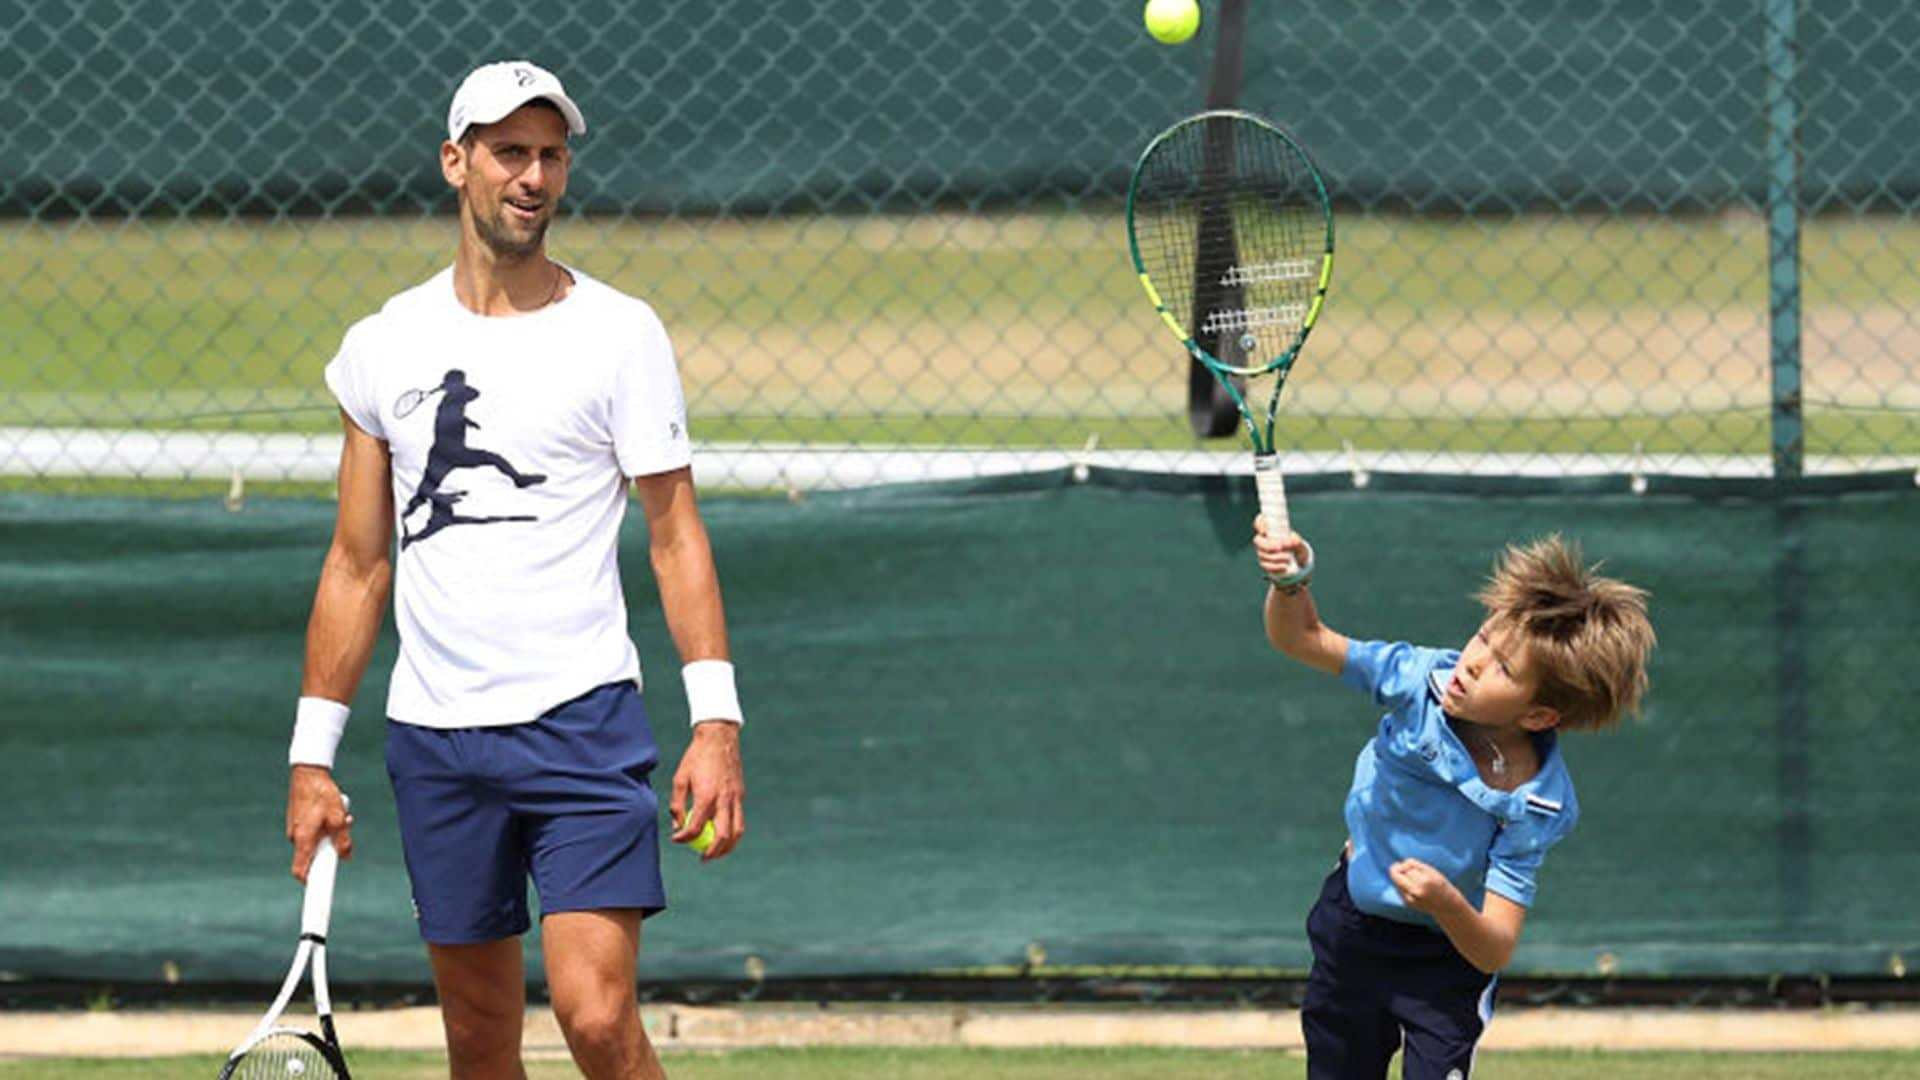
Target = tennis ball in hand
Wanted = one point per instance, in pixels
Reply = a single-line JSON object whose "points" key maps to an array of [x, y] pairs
{"points": [[1172, 21], [703, 840]]}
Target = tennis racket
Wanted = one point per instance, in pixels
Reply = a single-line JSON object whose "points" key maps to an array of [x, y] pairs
{"points": [[277, 1051], [403, 406], [1232, 236]]}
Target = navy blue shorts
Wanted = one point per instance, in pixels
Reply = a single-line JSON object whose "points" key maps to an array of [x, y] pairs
{"points": [[565, 799], [1377, 983]]}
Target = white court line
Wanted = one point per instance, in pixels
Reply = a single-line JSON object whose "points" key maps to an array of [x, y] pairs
{"points": [[159, 1033], [262, 456]]}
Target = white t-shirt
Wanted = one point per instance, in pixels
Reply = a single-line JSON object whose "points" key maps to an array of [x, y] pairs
{"points": [[509, 483]]}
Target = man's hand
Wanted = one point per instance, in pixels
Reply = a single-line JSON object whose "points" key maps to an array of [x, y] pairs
{"points": [[315, 809], [1422, 887], [709, 785]]}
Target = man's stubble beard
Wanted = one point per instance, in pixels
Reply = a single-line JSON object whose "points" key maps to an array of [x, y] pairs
{"points": [[503, 244]]}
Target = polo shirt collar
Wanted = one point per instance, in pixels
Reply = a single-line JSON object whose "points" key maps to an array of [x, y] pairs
{"points": [[1541, 793]]}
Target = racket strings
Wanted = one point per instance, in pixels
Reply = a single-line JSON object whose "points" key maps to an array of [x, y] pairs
{"points": [[1231, 229], [282, 1055]]}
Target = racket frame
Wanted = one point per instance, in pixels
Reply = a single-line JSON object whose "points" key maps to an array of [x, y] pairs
{"points": [[1268, 481], [316, 911]]}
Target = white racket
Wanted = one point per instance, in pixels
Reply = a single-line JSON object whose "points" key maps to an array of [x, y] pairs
{"points": [[278, 1051]]}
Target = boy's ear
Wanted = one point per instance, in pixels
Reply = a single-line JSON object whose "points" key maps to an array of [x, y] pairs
{"points": [[1540, 718]]}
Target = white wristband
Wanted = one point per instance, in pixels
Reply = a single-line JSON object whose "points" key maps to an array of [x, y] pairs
{"points": [[710, 691], [317, 727]]}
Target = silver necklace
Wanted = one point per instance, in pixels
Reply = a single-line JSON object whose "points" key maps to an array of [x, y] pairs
{"points": [[1499, 762]]}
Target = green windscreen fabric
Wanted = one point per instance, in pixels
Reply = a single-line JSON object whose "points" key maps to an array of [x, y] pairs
{"points": [[989, 717]]}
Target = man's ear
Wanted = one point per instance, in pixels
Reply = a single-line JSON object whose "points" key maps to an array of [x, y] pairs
{"points": [[453, 163], [1540, 718]]}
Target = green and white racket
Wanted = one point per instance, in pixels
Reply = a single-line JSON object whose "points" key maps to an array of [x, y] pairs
{"points": [[1232, 236]]}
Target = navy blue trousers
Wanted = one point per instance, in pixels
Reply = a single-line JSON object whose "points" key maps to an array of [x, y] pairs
{"points": [[1378, 984]]}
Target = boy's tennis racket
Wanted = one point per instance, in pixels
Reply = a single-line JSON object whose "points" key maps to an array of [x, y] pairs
{"points": [[276, 1051], [1232, 236]]}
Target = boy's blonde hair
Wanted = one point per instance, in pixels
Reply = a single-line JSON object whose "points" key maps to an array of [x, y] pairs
{"points": [[1587, 636]]}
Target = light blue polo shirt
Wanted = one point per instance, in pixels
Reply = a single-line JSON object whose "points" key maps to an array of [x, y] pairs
{"points": [[1416, 793]]}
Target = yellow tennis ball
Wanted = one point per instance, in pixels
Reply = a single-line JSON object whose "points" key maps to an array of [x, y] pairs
{"points": [[702, 842], [1172, 21]]}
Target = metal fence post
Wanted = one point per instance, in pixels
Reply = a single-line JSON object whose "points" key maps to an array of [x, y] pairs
{"points": [[1794, 835], [1783, 238]]}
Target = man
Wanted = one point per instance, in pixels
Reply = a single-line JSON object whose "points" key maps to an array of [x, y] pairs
{"points": [[516, 741]]}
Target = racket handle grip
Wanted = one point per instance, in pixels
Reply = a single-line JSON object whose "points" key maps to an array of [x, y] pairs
{"points": [[316, 911], [1272, 489]]}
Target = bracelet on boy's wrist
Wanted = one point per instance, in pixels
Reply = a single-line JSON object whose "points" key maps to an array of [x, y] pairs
{"points": [[1301, 577]]}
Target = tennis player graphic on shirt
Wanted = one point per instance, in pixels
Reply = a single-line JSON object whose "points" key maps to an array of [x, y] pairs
{"points": [[450, 451]]}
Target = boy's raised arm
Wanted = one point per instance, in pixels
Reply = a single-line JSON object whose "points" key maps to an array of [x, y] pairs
{"points": [[1293, 622]]}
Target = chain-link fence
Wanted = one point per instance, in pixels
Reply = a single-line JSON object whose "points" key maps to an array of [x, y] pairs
{"points": [[888, 241]]}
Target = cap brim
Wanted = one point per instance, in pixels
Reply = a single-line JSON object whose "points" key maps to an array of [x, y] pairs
{"points": [[576, 123]]}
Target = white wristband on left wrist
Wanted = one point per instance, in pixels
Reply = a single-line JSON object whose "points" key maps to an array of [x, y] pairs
{"points": [[711, 694]]}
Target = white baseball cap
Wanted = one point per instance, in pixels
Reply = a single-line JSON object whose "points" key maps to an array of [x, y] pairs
{"points": [[492, 91]]}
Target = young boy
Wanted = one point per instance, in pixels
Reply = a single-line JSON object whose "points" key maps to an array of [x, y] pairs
{"points": [[1454, 802]]}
